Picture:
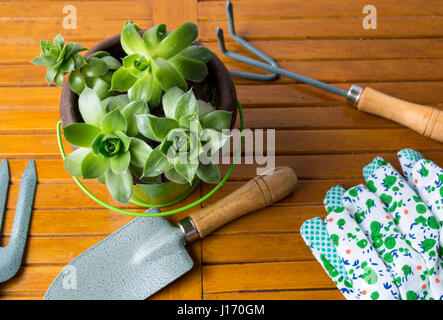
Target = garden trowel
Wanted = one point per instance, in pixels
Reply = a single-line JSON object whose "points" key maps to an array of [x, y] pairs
{"points": [[148, 253]]}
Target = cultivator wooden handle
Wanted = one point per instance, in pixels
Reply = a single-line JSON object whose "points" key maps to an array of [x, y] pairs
{"points": [[425, 120], [255, 194]]}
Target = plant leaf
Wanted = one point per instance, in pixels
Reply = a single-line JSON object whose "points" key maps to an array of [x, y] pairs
{"points": [[94, 67], [156, 164], [154, 35], [177, 40], [58, 80], [131, 41], [81, 134], [186, 170], [59, 41], [122, 80], [114, 121], [168, 76], [174, 176], [79, 61], [218, 120], [111, 62], [99, 86], [120, 185], [90, 107], [187, 104], [67, 66], [120, 163], [199, 53], [94, 166], [73, 161], [99, 54], [130, 112], [140, 152], [76, 82], [124, 139], [169, 101], [191, 69], [115, 102], [204, 108], [52, 71], [44, 60], [156, 93], [214, 140], [155, 128], [208, 172], [142, 89], [107, 77]]}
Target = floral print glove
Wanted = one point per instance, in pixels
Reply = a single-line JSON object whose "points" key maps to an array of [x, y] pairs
{"points": [[383, 241]]}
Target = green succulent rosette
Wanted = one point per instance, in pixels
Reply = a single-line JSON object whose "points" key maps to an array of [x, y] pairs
{"points": [[60, 58], [107, 145], [96, 73], [159, 61], [191, 132]]}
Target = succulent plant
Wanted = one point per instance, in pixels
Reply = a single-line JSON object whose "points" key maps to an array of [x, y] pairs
{"points": [[59, 58], [159, 61], [96, 73], [106, 150], [189, 134]]}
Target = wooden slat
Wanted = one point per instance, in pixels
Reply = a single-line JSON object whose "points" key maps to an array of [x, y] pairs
{"points": [[332, 166], [304, 95], [310, 118], [280, 9], [286, 142], [29, 98], [133, 9], [216, 249], [277, 219], [255, 248], [26, 120], [32, 279], [257, 95], [367, 49], [357, 70], [328, 71], [335, 28], [23, 52], [264, 276], [328, 294], [307, 192], [175, 12], [17, 30], [68, 196]]}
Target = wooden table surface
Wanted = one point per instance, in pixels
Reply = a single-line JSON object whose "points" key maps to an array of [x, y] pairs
{"points": [[260, 256]]}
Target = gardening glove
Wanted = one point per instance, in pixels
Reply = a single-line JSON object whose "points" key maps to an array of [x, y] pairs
{"points": [[387, 247]]}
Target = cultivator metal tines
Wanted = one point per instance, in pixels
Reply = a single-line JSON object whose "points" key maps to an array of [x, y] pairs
{"points": [[11, 255], [269, 65]]}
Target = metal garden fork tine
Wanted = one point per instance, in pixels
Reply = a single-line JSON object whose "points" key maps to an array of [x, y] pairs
{"points": [[4, 184], [11, 255], [248, 46]]}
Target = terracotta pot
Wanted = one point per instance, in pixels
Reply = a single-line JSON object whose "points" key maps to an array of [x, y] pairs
{"points": [[217, 89]]}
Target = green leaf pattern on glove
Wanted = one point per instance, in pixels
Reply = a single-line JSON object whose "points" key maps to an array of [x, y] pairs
{"points": [[386, 235]]}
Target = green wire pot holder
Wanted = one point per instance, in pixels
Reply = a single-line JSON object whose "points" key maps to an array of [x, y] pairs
{"points": [[148, 205]]}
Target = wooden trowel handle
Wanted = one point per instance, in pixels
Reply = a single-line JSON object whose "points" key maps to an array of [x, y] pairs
{"points": [[255, 194], [425, 120]]}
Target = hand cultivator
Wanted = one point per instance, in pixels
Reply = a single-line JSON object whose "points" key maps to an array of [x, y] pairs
{"points": [[11, 255], [425, 120]]}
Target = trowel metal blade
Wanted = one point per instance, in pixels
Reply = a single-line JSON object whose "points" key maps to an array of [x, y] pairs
{"points": [[131, 264]]}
